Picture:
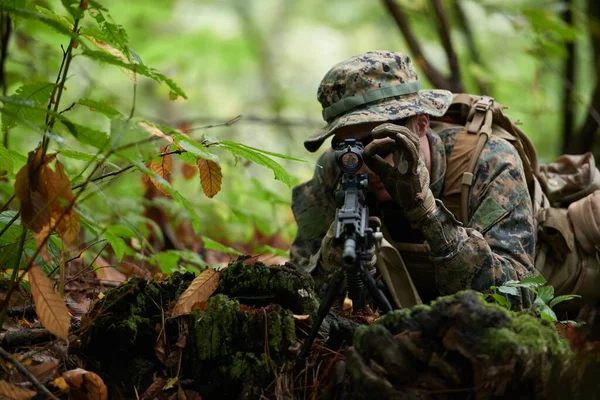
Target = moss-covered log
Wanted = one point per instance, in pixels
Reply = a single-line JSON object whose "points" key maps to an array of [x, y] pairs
{"points": [[238, 341], [462, 346]]}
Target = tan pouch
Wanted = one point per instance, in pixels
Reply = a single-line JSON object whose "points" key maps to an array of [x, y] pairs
{"points": [[570, 178], [585, 217]]}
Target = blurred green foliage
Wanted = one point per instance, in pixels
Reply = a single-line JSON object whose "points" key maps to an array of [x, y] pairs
{"points": [[262, 59]]}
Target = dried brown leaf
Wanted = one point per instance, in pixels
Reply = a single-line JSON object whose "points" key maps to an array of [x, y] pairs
{"points": [[163, 169], [86, 385], [49, 306], [34, 210], [43, 371], [188, 171], [210, 176], [199, 290], [154, 389], [153, 130], [107, 273], [12, 392]]}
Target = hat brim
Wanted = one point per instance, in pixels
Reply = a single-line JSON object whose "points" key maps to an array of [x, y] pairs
{"points": [[431, 102]]}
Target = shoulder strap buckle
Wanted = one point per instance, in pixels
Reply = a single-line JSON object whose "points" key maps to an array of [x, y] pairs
{"points": [[484, 103]]}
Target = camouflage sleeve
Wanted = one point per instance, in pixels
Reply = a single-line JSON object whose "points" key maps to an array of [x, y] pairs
{"points": [[498, 243], [313, 206]]}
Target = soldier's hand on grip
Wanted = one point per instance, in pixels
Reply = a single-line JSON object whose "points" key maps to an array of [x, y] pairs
{"points": [[407, 180]]}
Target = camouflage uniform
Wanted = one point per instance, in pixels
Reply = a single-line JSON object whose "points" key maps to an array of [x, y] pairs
{"points": [[498, 243]]}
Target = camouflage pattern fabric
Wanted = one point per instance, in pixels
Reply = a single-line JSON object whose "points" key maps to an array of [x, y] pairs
{"points": [[496, 246], [361, 89]]}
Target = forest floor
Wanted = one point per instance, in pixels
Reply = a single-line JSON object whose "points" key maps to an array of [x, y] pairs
{"points": [[237, 333]]}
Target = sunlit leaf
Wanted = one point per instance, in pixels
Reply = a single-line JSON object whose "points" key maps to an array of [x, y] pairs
{"points": [[201, 288], [210, 244], [118, 245], [546, 294]]}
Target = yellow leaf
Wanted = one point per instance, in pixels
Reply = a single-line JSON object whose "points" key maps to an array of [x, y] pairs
{"points": [[210, 176], [199, 290], [153, 130], [61, 384], [86, 384], [12, 392], [49, 306]]}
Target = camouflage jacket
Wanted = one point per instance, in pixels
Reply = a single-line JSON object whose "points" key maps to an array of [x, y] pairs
{"points": [[496, 246]]}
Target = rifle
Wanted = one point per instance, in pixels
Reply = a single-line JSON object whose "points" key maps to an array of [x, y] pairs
{"points": [[352, 231]]}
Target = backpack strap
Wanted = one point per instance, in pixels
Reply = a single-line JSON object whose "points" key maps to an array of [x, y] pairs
{"points": [[465, 153]]}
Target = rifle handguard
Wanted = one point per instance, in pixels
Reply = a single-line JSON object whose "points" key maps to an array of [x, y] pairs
{"points": [[427, 207]]}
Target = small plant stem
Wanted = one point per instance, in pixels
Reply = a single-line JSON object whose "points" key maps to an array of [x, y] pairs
{"points": [[68, 57]]}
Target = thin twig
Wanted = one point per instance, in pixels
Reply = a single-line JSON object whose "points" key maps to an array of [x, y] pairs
{"points": [[5, 206], [455, 82], [6, 355], [432, 73], [134, 97]]}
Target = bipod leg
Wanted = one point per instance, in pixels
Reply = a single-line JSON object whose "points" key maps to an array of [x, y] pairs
{"points": [[321, 314], [376, 294]]}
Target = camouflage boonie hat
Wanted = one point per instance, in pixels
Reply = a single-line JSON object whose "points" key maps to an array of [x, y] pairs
{"points": [[372, 87]]}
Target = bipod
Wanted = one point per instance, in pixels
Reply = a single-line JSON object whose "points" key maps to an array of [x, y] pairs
{"points": [[376, 294]]}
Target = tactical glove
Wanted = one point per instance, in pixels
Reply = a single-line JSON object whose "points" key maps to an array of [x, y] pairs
{"points": [[407, 180]]}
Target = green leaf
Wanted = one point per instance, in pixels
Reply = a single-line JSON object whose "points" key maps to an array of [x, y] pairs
{"points": [[546, 294], [14, 4], [122, 231], [547, 313], [272, 250], [560, 299], [210, 244], [6, 161], [501, 300], [118, 245], [81, 156], [72, 7], [100, 107], [27, 99], [279, 155], [111, 32], [545, 22], [167, 261], [141, 69], [197, 149], [86, 135], [6, 216], [258, 158], [533, 281], [47, 17], [509, 290]]}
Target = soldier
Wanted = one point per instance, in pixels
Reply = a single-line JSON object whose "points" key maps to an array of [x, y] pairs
{"points": [[376, 98]]}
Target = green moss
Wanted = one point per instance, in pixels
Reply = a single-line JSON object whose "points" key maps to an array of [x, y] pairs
{"points": [[525, 331]]}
